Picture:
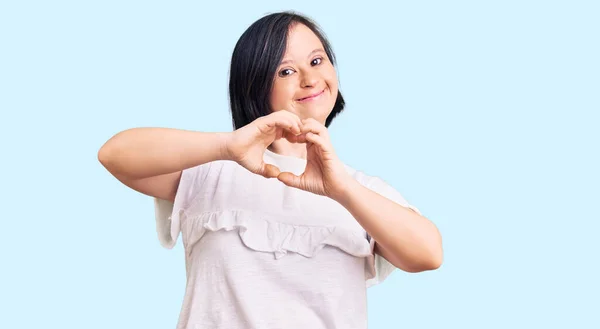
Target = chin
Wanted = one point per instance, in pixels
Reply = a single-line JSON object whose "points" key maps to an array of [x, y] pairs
{"points": [[322, 116], [319, 112]]}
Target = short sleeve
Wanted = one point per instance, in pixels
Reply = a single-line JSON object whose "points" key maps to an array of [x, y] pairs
{"points": [[381, 267], [168, 214]]}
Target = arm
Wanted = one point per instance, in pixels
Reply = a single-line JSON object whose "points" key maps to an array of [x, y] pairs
{"points": [[150, 160], [406, 239]]}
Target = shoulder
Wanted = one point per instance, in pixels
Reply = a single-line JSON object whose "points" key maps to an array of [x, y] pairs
{"points": [[376, 184], [379, 185], [362, 177]]}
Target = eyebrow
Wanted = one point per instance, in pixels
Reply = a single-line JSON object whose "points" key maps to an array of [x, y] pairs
{"points": [[318, 50]]}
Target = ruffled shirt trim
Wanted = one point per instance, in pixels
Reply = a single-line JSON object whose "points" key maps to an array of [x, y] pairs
{"points": [[263, 235], [260, 234]]}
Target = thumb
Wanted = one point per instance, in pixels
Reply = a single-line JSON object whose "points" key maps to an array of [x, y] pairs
{"points": [[289, 179], [269, 171]]}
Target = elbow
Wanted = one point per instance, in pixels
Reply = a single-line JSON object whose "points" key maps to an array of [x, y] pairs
{"points": [[108, 156], [429, 261], [111, 150], [104, 156], [436, 252], [424, 262], [436, 261], [436, 255], [428, 264]]}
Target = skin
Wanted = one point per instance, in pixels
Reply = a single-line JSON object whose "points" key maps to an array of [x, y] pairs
{"points": [[151, 160], [297, 128], [304, 70]]}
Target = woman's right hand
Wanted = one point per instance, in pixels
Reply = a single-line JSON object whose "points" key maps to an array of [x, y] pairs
{"points": [[247, 144]]}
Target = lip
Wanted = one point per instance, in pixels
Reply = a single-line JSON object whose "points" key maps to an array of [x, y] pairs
{"points": [[313, 96]]}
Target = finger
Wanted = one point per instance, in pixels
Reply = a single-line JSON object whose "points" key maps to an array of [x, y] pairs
{"points": [[296, 119], [314, 126], [287, 124], [270, 122], [318, 140], [299, 138], [269, 170], [289, 179], [297, 126], [290, 112], [288, 121], [302, 137], [292, 137]]}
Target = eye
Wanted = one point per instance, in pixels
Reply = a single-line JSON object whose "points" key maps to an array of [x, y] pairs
{"points": [[285, 72], [316, 61]]}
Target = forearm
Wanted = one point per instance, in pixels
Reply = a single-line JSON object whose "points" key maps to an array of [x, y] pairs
{"points": [[146, 152], [413, 241]]}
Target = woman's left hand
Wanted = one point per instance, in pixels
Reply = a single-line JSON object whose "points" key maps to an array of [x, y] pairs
{"points": [[325, 174]]}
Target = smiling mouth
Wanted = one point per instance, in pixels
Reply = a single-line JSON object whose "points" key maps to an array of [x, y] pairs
{"points": [[311, 97]]}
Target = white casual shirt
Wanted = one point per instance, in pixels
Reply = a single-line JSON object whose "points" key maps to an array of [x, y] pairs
{"points": [[260, 254]]}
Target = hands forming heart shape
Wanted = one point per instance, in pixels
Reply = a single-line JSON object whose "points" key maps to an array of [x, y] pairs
{"points": [[325, 174]]}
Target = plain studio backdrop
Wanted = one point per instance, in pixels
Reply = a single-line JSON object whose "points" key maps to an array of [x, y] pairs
{"points": [[483, 114]]}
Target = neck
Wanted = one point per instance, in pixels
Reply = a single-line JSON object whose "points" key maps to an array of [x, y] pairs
{"points": [[284, 147]]}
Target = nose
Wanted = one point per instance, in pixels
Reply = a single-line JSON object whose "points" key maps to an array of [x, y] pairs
{"points": [[309, 79]]}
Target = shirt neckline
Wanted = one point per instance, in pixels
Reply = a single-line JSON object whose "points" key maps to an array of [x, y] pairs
{"points": [[285, 158]]}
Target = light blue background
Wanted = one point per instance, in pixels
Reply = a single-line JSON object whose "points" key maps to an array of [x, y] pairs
{"points": [[483, 114]]}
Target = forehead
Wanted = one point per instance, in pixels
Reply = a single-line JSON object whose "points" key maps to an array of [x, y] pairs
{"points": [[301, 41]]}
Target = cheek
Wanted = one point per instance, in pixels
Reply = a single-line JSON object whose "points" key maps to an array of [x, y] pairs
{"points": [[331, 78], [281, 95], [274, 97]]}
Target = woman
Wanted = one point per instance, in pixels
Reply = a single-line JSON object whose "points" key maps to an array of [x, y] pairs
{"points": [[277, 231]]}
